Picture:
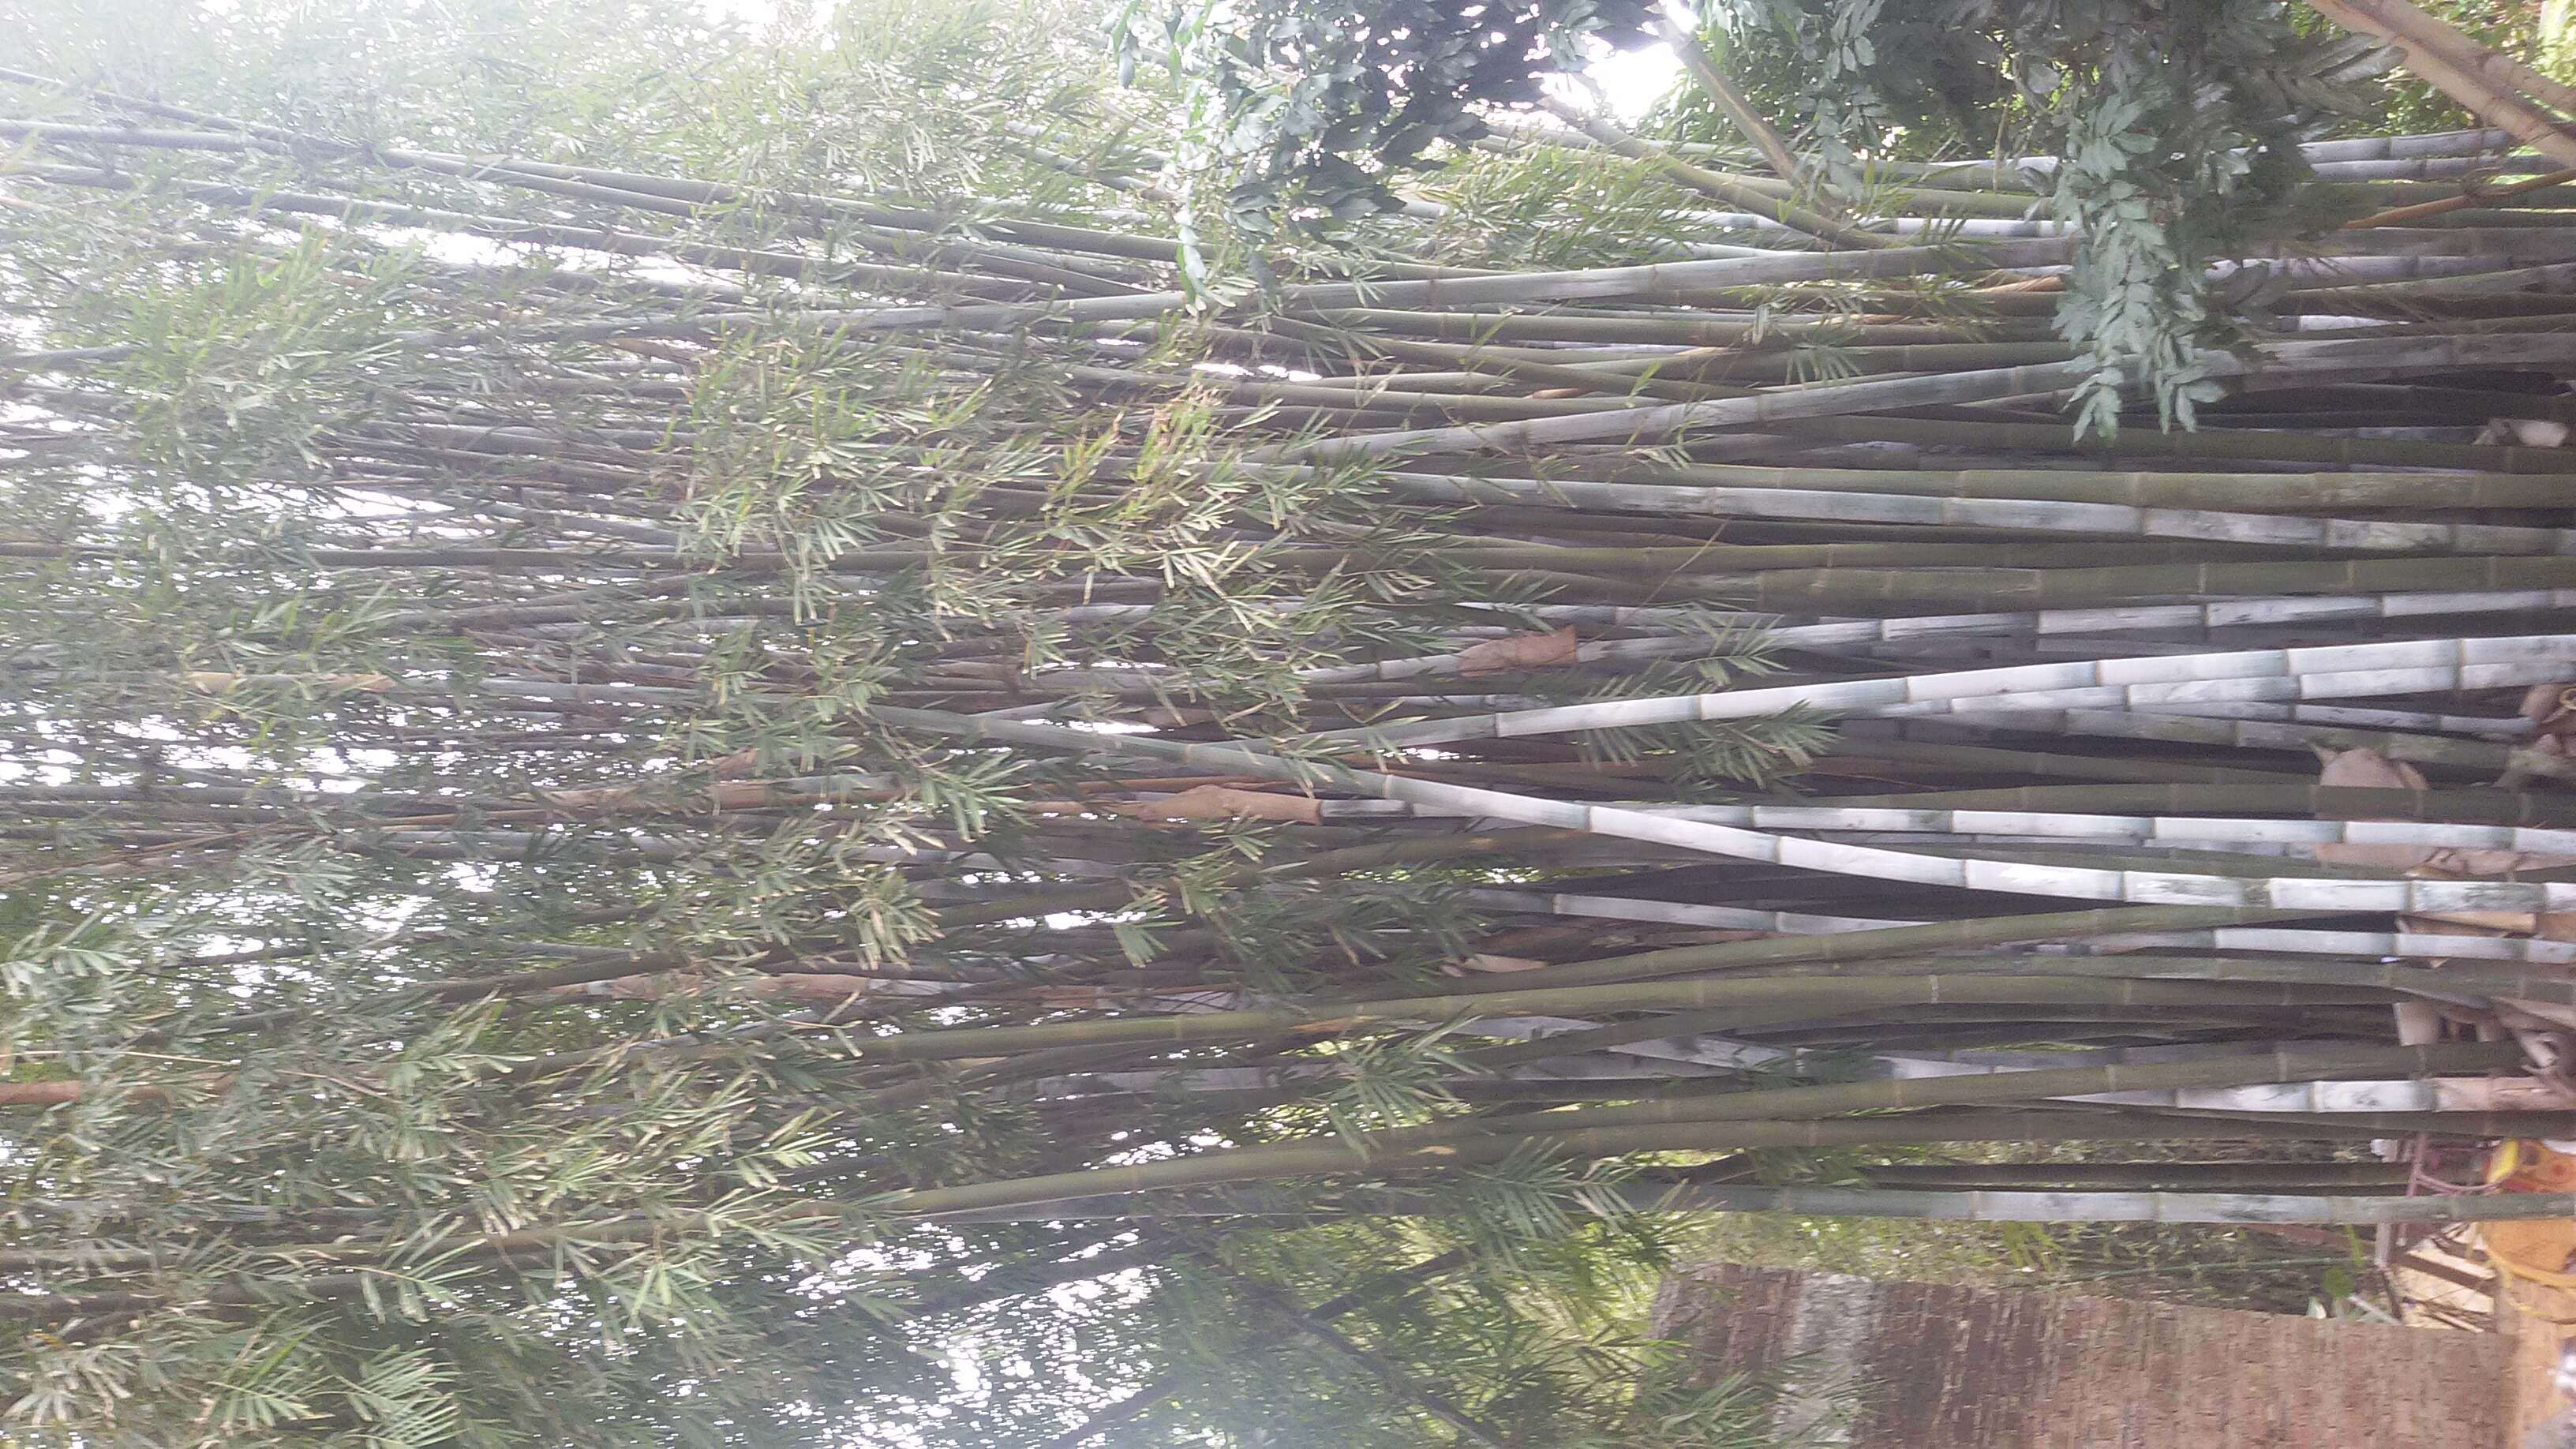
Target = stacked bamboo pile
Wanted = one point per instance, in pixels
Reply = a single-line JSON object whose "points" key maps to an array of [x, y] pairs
{"points": [[2199, 787]]}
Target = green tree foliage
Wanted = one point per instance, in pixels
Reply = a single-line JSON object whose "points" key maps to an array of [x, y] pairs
{"points": [[1317, 106], [2173, 126], [2172, 123]]}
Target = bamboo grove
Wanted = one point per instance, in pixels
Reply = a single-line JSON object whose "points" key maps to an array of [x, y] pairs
{"points": [[688, 721]]}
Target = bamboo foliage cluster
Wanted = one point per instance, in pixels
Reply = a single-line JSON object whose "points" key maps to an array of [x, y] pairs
{"points": [[687, 735]]}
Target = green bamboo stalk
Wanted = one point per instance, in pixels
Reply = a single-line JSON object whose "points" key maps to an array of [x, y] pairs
{"points": [[1606, 1131], [2363, 945], [2148, 1176], [2273, 529], [1759, 998], [2257, 492], [2265, 444]]}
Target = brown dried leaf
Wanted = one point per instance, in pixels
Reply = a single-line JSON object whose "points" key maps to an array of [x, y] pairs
{"points": [[2493, 923], [2384, 859], [2541, 1015], [2371, 770], [1521, 651], [740, 794], [813, 986], [2552, 708], [1224, 802], [1486, 962], [784, 985], [2465, 864], [589, 798], [2366, 770], [2501, 1094], [212, 681]]}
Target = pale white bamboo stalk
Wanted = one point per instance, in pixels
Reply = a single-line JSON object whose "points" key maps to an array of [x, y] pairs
{"points": [[2467, 143], [2541, 659], [1969, 873], [1866, 633], [2366, 945], [2418, 944], [2429, 168], [1650, 280], [2266, 735], [2149, 829], [2329, 671], [2341, 716]]}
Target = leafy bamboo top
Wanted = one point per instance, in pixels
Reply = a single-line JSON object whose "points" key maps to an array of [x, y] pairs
{"points": [[711, 739]]}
